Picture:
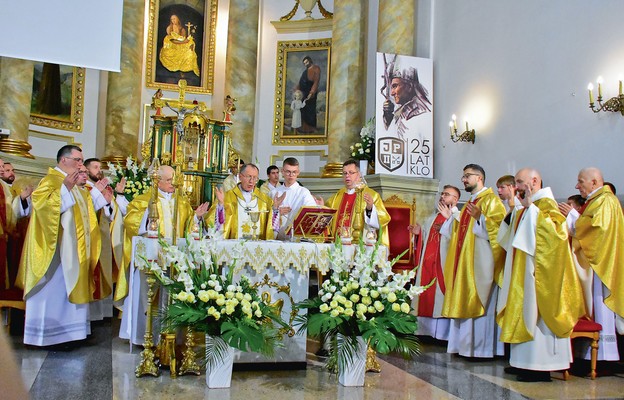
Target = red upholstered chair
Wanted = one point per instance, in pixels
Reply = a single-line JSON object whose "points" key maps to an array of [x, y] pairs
{"points": [[401, 216], [11, 298], [587, 328]]}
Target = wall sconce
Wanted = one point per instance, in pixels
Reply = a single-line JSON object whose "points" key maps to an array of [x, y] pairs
{"points": [[466, 136], [615, 104]]}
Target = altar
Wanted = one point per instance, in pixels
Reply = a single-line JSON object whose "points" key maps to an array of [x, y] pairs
{"points": [[281, 270]]}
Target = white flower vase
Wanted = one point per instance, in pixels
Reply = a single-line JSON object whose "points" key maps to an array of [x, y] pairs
{"points": [[364, 167], [219, 372], [353, 372]]}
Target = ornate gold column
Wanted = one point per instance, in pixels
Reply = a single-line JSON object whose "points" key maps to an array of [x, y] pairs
{"points": [[240, 71], [395, 33], [16, 81], [123, 101], [347, 81]]}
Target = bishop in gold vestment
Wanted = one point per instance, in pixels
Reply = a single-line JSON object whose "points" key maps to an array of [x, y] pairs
{"points": [[230, 213], [131, 285]]}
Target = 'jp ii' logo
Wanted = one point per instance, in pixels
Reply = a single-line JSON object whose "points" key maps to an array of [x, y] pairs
{"points": [[391, 153]]}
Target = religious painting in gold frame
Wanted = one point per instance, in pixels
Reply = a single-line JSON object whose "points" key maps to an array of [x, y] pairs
{"points": [[181, 44], [299, 64], [58, 96]]}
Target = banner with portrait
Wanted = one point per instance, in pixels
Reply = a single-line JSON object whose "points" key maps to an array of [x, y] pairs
{"points": [[404, 116]]}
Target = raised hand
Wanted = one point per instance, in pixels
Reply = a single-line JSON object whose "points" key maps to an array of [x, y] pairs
{"points": [[319, 201], [108, 194], [368, 199], [474, 210], [26, 192], [445, 210], [219, 193], [564, 208], [71, 179], [101, 184], [414, 229], [527, 196], [278, 200], [201, 210], [121, 186]]}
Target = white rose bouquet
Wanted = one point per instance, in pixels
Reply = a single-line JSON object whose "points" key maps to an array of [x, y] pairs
{"points": [[208, 300], [363, 297], [365, 148]]}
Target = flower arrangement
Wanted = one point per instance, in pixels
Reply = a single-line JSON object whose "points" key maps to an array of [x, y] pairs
{"points": [[363, 297], [365, 148], [137, 177], [209, 301]]}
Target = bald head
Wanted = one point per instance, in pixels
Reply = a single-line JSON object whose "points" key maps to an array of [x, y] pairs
{"points": [[589, 179], [528, 178], [165, 183]]}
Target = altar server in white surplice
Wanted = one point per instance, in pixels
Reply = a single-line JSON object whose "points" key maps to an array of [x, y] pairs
{"points": [[541, 297], [290, 197]]}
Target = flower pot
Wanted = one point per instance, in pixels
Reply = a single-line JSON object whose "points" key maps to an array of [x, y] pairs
{"points": [[219, 371], [364, 167], [353, 372]]}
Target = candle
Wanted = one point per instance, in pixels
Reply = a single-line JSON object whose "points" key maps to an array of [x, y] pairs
{"points": [[590, 87], [599, 80], [620, 91], [454, 118], [467, 126], [451, 127]]}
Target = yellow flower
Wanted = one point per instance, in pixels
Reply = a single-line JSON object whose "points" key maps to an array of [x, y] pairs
{"points": [[334, 313], [324, 308], [405, 308], [374, 294], [258, 313], [354, 298], [203, 296], [392, 297], [379, 306], [396, 307]]}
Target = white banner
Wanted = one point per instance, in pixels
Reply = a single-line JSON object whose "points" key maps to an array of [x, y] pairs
{"points": [[79, 33], [404, 116]]}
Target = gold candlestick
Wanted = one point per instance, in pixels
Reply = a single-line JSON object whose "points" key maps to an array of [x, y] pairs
{"points": [[189, 364], [148, 365]]}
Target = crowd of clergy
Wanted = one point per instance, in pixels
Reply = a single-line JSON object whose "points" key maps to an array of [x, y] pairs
{"points": [[511, 267]]}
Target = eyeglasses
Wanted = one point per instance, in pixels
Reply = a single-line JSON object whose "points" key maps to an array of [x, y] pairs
{"points": [[447, 194], [349, 173], [250, 178], [289, 173], [77, 159], [468, 175]]}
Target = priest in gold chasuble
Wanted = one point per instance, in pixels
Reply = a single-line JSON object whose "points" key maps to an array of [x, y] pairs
{"points": [[231, 211], [597, 237], [368, 213], [541, 298], [132, 289], [472, 268], [60, 253]]}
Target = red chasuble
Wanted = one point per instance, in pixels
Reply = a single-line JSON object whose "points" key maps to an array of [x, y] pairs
{"points": [[431, 268], [464, 222]]}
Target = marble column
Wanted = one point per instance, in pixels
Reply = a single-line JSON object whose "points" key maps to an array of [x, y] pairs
{"points": [[347, 81], [240, 72], [16, 82], [395, 32], [123, 102]]}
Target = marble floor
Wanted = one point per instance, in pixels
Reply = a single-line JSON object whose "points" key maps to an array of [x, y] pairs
{"points": [[103, 368]]}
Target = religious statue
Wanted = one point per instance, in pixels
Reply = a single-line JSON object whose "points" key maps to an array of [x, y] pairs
{"points": [[230, 107]]}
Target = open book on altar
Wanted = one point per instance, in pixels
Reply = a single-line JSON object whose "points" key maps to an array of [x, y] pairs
{"points": [[310, 222]]}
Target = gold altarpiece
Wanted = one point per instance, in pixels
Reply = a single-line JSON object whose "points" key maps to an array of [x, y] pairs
{"points": [[184, 136]]}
